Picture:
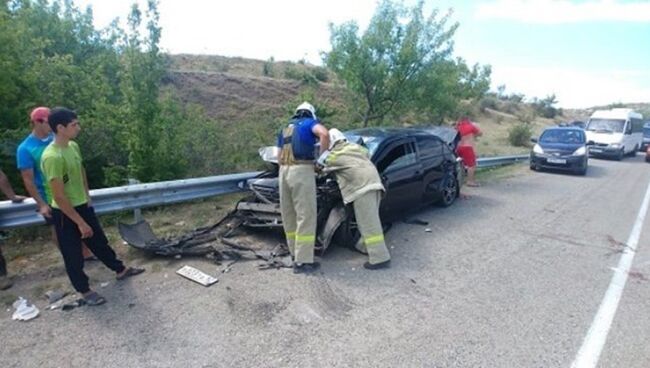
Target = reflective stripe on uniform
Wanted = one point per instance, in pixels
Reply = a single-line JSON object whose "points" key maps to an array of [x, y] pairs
{"points": [[375, 239], [290, 235], [305, 238], [350, 148]]}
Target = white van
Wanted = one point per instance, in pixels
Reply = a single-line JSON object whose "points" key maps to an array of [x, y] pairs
{"points": [[614, 133]]}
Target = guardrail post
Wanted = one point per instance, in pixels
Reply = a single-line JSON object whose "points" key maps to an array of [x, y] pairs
{"points": [[137, 212]]}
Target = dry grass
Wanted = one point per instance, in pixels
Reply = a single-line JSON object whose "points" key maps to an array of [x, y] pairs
{"points": [[500, 173], [495, 126], [236, 66]]}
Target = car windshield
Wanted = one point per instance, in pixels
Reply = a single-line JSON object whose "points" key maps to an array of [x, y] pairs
{"points": [[606, 125], [578, 124], [566, 136], [369, 142]]}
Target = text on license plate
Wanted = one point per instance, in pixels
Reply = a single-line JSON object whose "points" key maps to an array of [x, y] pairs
{"points": [[556, 161]]}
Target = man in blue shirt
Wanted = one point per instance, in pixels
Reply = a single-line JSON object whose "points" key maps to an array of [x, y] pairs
{"points": [[28, 158], [297, 181]]}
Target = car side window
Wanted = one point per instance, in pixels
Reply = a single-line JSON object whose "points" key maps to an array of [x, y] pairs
{"points": [[400, 156], [429, 149]]}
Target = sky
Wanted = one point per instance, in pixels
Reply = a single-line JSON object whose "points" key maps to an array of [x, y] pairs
{"points": [[586, 52]]}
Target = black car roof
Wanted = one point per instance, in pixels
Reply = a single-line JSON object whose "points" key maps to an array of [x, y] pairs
{"points": [[563, 127], [383, 133]]}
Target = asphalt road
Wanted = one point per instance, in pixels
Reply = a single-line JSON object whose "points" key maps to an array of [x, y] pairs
{"points": [[511, 277]]}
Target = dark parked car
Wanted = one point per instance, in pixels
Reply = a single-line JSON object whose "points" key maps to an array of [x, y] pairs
{"points": [[562, 148], [577, 124], [418, 167], [646, 137]]}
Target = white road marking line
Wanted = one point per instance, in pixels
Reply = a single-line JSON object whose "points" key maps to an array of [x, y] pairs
{"points": [[594, 342]]}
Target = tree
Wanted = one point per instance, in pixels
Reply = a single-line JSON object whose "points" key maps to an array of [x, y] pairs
{"points": [[142, 74], [545, 107], [383, 66], [50, 54], [443, 86]]}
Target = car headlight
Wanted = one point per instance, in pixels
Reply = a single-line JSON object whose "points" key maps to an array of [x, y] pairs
{"points": [[580, 151], [615, 145], [538, 149]]}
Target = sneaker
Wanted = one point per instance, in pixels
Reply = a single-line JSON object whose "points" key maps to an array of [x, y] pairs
{"points": [[5, 282], [305, 267], [376, 266]]}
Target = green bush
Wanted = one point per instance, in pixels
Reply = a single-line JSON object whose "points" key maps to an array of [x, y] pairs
{"points": [[300, 74], [292, 72], [267, 69], [488, 102], [510, 107], [519, 135], [320, 74]]}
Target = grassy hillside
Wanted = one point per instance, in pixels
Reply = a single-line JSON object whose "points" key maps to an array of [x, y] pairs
{"points": [[237, 89], [232, 90]]}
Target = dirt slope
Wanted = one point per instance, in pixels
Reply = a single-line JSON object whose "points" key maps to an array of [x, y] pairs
{"points": [[236, 89], [233, 97]]}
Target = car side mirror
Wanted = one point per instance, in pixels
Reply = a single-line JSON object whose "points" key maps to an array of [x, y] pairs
{"points": [[533, 140]]}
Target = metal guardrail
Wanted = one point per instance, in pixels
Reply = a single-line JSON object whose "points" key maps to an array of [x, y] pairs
{"points": [[109, 200], [500, 160]]}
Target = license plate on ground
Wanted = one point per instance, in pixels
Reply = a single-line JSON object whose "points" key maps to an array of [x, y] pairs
{"points": [[197, 276], [556, 161]]}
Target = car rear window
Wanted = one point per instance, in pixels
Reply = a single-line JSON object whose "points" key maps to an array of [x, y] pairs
{"points": [[371, 143], [565, 136]]}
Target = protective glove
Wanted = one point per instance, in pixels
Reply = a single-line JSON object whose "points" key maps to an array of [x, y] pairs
{"points": [[322, 158]]}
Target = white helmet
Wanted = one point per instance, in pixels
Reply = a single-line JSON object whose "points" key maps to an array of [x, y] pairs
{"points": [[307, 107], [335, 136]]}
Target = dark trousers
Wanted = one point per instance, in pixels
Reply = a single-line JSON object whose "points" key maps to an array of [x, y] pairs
{"points": [[70, 245], [3, 264]]}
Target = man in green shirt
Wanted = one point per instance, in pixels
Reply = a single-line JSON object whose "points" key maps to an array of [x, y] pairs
{"points": [[73, 216]]}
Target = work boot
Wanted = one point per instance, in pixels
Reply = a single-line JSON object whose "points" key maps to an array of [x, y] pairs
{"points": [[5, 282], [305, 267], [376, 266]]}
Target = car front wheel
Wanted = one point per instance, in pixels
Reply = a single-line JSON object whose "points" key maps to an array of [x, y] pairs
{"points": [[449, 191]]}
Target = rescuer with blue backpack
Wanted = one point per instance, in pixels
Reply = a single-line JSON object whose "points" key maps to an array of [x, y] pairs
{"points": [[297, 180]]}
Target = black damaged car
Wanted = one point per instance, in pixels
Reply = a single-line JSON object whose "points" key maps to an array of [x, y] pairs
{"points": [[418, 167]]}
